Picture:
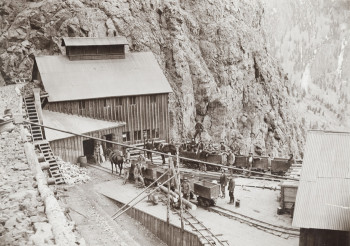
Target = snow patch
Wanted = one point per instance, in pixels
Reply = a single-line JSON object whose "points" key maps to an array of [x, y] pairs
{"points": [[306, 78], [341, 58]]}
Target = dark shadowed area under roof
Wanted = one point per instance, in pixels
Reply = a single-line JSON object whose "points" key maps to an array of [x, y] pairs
{"points": [[323, 198], [137, 74], [87, 41]]}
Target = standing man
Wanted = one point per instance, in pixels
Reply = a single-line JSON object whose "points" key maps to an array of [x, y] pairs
{"points": [[231, 158], [223, 147], [223, 182], [250, 163], [186, 189], [231, 190], [291, 159], [199, 129], [149, 146], [97, 152]]}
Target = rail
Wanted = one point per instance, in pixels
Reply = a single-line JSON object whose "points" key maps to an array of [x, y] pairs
{"points": [[262, 225]]}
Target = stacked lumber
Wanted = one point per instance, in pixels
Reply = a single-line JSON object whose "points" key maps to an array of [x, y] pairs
{"points": [[72, 173]]}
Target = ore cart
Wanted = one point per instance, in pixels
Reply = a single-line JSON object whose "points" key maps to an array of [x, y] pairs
{"points": [[206, 192], [279, 166], [217, 159], [191, 155], [150, 174]]}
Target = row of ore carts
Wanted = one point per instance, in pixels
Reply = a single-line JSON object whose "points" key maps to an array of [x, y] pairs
{"points": [[278, 166], [205, 191]]}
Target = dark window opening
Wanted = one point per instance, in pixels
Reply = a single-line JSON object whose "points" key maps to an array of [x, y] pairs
{"points": [[104, 102], [119, 101], [146, 134], [132, 100], [126, 136], [153, 99], [137, 135], [81, 104], [155, 133]]}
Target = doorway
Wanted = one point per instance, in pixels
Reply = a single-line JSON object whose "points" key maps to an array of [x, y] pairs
{"points": [[88, 147], [109, 137]]}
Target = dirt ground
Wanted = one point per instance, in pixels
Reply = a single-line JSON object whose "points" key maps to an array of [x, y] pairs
{"points": [[92, 213]]}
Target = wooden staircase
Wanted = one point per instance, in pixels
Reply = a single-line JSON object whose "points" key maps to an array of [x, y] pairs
{"points": [[38, 136], [36, 131], [54, 170]]}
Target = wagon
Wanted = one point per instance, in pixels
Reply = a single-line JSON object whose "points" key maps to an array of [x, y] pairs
{"points": [[206, 192]]}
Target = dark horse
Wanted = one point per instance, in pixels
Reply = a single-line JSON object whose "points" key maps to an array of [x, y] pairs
{"points": [[165, 148], [116, 158]]}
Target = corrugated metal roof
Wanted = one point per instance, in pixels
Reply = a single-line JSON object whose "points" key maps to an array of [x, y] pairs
{"points": [[323, 198], [91, 41], [73, 123], [137, 74]]}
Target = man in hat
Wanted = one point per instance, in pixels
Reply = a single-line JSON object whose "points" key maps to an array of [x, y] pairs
{"points": [[199, 129], [186, 189], [223, 147], [231, 189], [231, 158], [149, 146], [223, 182], [291, 159]]}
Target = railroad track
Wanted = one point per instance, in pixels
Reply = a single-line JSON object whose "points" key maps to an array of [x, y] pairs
{"points": [[281, 231], [203, 232]]}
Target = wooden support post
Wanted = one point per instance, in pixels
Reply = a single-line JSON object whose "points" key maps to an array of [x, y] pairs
{"points": [[179, 187], [168, 203]]}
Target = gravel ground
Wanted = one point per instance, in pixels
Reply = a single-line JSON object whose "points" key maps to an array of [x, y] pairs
{"points": [[92, 213]]}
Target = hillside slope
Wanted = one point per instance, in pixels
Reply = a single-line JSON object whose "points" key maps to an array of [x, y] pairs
{"points": [[213, 53], [311, 40]]}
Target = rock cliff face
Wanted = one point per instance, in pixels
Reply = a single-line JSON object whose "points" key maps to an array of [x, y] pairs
{"points": [[213, 53]]}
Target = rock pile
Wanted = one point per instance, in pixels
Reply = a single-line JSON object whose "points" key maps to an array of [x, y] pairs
{"points": [[22, 214], [72, 173]]}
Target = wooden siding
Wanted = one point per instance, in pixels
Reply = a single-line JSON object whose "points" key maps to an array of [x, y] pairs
{"points": [[170, 234], [69, 149], [317, 237], [149, 112], [95, 52]]}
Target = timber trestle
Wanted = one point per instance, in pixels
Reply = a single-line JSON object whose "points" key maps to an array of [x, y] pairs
{"points": [[38, 137]]}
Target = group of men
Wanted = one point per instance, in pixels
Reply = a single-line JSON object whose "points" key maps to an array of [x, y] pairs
{"points": [[231, 186]]}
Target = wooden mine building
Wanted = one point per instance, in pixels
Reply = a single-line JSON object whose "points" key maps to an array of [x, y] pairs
{"points": [[322, 207], [98, 79]]}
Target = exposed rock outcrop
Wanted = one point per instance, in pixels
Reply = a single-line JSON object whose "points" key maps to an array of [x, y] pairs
{"points": [[212, 52]]}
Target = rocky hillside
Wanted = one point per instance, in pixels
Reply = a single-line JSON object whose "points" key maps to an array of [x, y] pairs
{"points": [[213, 53], [311, 40]]}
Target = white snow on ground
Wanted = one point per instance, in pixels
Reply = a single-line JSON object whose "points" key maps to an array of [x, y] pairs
{"points": [[341, 57], [306, 79]]}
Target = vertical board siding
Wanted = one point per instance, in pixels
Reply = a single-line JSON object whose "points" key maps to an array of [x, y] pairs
{"points": [[171, 234], [145, 115], [69, 149]]}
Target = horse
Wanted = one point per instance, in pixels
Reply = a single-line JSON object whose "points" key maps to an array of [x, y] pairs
{"points": [[117, 159], [165, 148]]}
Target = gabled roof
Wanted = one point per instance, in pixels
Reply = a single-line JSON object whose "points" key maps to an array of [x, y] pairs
{"points": [[73, 123], [323, 198], [137, 74], [91, 41]]}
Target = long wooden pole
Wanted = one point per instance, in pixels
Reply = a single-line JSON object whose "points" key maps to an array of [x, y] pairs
{"points": [[179, 187], [168, 203]]}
